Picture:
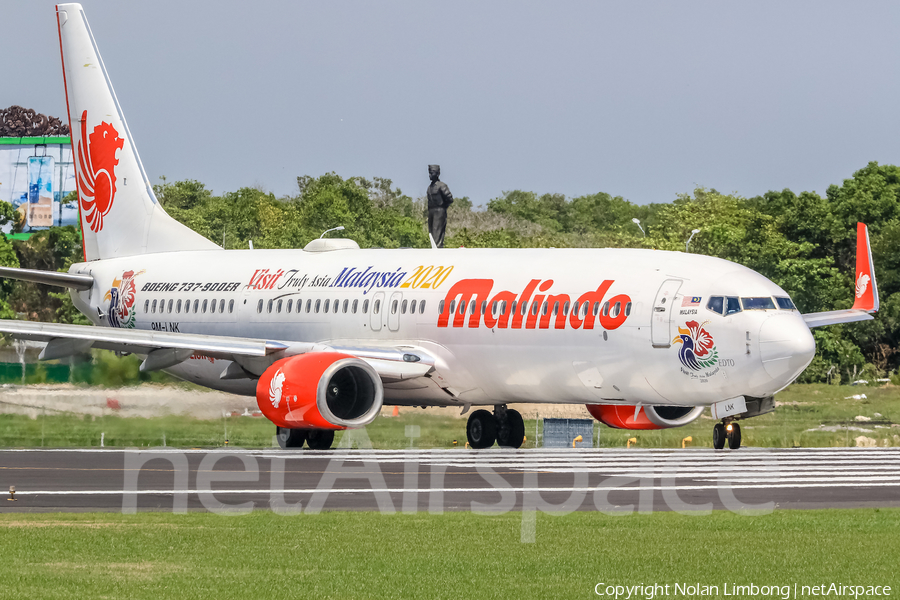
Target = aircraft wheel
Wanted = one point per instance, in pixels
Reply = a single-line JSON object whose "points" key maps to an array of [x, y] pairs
{"points": [[734, 438], [719, 436], [481, 429], [513, 435], [290, 438], [320, 439]]}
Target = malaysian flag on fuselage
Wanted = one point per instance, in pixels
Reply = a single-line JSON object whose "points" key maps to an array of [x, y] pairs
{"points": [[691, 301]]}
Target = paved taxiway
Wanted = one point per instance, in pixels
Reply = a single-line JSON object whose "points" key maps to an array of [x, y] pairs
{"points": [[437, 480]]}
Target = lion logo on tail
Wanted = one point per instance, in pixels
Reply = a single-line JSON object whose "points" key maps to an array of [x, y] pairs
{"points": [[862, 282], [97, 163]]}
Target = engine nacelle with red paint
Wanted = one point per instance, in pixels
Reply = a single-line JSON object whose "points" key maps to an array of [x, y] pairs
{"points": [[320, 390], [650, 417]]}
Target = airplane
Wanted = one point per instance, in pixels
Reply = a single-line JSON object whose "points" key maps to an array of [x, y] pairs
{"points": [[326, 335]]}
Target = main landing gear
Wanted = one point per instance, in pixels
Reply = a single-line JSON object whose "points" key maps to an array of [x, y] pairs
{"points": [[505, 426], [727, 431], [316, 439]]}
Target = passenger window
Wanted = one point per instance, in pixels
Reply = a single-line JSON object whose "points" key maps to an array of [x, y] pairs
{"points": [[327, 304], [716, 304], [346, 304], [376, 307], [279, 306], [732, 305], [512, 307], [503, 307], [453, 307], [412, 308], [309, 305], [170, 306], [365, 306], [473, 306], [421, 307], [290, 305], [606, 308], [616, 309], [318, 305], [394, 307], [178, 307], [762, 303], [628, 309], [566, 309], [534, 308], [785, 303], [205, 303], [222, 306], [403, 306], [231, 306], [441, 307], [196, 305], [146, 306], [596, 308], [544, 308], [336, 305], [555, 308], [212, 306]]}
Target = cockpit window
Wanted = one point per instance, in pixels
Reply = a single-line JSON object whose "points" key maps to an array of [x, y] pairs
{"points": [[732, 305], [785, 303], [764, 303], [716, 304]]}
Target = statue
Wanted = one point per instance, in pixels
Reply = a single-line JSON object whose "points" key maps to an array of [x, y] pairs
{"points": [[439, 200]]}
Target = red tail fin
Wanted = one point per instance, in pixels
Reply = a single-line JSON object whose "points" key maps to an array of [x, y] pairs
{"points": [[866, 290]]}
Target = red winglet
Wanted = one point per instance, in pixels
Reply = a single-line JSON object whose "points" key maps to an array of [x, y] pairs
{"points": [[866, 290]]}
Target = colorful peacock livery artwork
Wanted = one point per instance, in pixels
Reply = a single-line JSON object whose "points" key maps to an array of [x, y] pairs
{"points": [[698, 350], [121, 299]]}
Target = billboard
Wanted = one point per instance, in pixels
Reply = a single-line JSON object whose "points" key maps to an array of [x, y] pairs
{"points": [[36, 175]]}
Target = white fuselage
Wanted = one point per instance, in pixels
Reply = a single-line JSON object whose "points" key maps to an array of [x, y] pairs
{"points": [[630, 353]]}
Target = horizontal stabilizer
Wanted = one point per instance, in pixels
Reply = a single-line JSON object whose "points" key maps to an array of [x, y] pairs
{"points": [[75, 281]]}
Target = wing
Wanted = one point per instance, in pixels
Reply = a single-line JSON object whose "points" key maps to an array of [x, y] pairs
{"points": [[866, 291], [836, 317], [166, 349]]}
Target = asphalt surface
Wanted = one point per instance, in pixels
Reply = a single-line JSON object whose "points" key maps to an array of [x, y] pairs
{"points": [[448, 480]]}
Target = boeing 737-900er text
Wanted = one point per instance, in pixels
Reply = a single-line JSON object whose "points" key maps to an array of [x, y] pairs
{"points": [[326, 335]]}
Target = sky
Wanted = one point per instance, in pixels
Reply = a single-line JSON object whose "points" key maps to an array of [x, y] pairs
{"points": [[643, 100]]}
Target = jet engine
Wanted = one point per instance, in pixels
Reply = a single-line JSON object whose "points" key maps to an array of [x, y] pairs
{"points": [[650, 417], [320, 390]]}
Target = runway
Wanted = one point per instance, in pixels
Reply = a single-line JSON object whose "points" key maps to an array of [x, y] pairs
{"points": [[494, 480]]}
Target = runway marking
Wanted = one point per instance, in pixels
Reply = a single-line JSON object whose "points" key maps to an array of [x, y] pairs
{"points": [[446, 490]]}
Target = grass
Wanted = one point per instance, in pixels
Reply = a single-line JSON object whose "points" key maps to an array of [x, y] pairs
{"points": [[806, 407], [453, 555]]}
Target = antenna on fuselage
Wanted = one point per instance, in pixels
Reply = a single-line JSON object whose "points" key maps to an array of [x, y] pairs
{"points": [[338, 228]]}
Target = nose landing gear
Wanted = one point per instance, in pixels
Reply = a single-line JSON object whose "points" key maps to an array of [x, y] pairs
{"points": [[727, 432]]}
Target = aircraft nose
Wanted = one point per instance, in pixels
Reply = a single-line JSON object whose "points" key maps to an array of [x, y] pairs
{"points": [[786, 346]]}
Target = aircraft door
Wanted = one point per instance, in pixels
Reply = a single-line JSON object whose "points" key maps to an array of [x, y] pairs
{"points": [[661, 319], [394, 311], [378, 309]]}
